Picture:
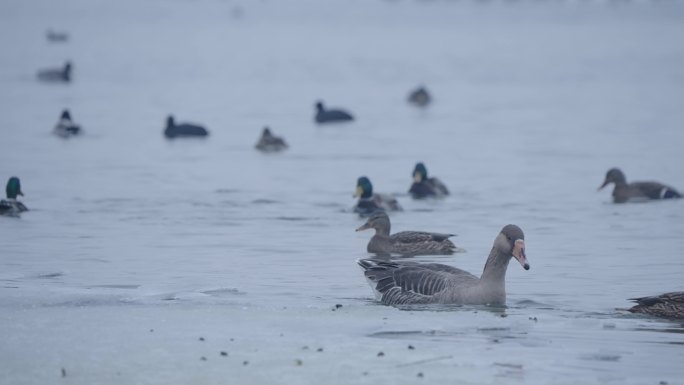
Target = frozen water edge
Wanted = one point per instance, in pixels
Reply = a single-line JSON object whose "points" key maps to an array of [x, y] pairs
{"points": [[163, 344]]}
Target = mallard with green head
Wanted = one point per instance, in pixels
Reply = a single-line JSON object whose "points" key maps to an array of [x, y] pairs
{"points": [[668, 305], [11, 206], [405, 243], [370, 202], [425, 187]]}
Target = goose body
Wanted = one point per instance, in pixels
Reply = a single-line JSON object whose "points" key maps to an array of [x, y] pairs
{"points": [[668, 305], [401, 283], [333, 115], [56, 74], [174, 130], [419, 97], [405, 242], [424, 186], [11, 206], [369, 201], [65, 127], [636, 191], [270, 143]]}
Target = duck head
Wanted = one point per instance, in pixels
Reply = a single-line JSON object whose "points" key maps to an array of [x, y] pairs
{"points": [[266, 132], [319, 106], [614, 175], [170, 122], [364, 188], [13, 188], [65, 115], [511, 242], [378, 221], [419, 172]]}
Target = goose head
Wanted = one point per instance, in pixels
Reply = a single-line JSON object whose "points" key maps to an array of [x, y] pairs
{"points": [[510, 243]]}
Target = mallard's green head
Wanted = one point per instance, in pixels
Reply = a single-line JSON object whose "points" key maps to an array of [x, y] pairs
{"points": [[13, 188], [419, 172], [364, 188]]}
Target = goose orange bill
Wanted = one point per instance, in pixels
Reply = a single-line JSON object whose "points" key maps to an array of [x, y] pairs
{"points": [[519, 253]]}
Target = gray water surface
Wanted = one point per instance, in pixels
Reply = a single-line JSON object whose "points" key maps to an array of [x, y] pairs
{"points": [[135, 246]]}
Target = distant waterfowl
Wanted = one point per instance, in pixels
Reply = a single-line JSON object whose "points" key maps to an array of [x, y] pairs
{"points": [[668, 305], [270, 143], [397, 283], [636, 191], [174, 130], [11, 206], [56, 37], [419, 97], [65, 127], [424, 187], [369, 202], [56, 74], [328, 116], [406, 243]]}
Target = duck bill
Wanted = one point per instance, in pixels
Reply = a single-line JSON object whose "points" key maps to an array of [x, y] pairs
{"points": [[365, 226], [20, 193], [358, 192], [519, 254], [605, 183]]}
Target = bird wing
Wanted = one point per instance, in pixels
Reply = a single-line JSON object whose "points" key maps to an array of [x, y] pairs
{"points": [[439, 187], [653, 190], [406, 282]]}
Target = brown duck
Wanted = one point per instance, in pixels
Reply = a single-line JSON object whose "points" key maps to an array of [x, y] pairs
{"points": [[405, 242], [636, 191], [668, 305]]}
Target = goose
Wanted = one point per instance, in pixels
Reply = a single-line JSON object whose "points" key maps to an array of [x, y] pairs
{"points": [[328, 116], [400, 283], [424, 187], [668, 305], [11, 206], [369, 201], [406, 243], [65, 127], [174, 130], [419, 97], [56, 74], [270, 143], [636, 191]]}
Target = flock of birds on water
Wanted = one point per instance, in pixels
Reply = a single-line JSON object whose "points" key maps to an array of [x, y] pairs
{"points": [[399, 282]]}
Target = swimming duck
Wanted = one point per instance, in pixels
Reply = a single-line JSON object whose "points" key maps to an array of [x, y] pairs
{"points": [[636, 191], [56, 74], [398, 283], [65, 126], [11, 206], [370, 202], [419, 97], [56, 37], [270, 143], [668, 305], [405, 242], [328, 116], [424, 187], [174, 130]]}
